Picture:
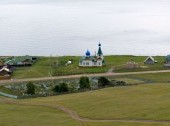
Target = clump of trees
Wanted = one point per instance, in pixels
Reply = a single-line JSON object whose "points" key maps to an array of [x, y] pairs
{"points": [[103, 81], [30, 88], [84, 83], [61, 88]]}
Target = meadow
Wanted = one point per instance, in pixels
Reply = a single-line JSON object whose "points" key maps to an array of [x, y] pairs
{"points": [[55, 66], [143, 105]]}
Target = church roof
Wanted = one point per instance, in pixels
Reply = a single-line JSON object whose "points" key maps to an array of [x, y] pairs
{"points": [[92, 58], [100, 50], [88, 53]]}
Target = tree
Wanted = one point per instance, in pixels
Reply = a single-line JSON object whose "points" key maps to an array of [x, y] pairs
{"points": [[30, 88], [102, 81], [62, 87], [57, 88], [84, 83]]}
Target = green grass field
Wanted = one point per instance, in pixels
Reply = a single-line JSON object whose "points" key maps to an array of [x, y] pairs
{"points": [[16, 115], [43, 67], [156, 77], [141, 102], [134, 102]]}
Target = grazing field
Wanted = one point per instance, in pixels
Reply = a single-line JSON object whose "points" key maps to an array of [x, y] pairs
{"points": [[55, 66], [142, 105], [135, 102], [155, 77], [17, 115]]}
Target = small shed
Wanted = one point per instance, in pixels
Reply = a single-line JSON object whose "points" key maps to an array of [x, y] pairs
{"points": [[149, 60], [132, 65], [5, 71]]}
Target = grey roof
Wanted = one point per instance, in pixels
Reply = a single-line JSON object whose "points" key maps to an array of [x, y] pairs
{"points": [[149, 57]]}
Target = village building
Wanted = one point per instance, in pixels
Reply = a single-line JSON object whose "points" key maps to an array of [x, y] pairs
{"points": [[20, 61], [132, 65], [90, 61], [150, 60], [167, 61], [6, 70]]}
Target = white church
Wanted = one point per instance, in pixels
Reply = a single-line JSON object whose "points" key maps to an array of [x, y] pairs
{"points": [[90, 61]]}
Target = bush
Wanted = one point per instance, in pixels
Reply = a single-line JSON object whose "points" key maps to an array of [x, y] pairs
{"points": [[84, 83], [30, 88], [102, 81], [121, 83], [62, 87], [118, 83]]}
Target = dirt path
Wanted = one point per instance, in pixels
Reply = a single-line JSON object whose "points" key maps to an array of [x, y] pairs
{"points": [[80, 75], [76, 117]]}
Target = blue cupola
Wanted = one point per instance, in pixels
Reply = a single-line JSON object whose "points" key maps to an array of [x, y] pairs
{"points": [[88, 53]]}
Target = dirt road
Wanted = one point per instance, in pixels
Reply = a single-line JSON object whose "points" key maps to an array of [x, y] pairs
{"points": [[2, 82]]}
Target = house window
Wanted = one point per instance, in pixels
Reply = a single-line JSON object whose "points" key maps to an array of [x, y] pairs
{"points": [[99, 63], [87, 64], [84, 63]]}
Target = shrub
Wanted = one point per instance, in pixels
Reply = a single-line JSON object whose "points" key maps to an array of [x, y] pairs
{"points": [[121, 83], [30, 88], [62, 87], [84, 83], [102, 81], [118, 83]]}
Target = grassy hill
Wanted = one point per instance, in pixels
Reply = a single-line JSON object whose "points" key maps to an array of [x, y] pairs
{"points": [[143, 105], [55, 66]]}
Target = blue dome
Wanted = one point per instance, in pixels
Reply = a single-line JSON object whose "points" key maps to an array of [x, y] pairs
{"points": [[88, 53]]}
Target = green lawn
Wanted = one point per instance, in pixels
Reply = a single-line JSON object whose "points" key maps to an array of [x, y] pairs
{"points": [[15, 115], [43, 67], [155, 77], [135, 102], [143, 102]]}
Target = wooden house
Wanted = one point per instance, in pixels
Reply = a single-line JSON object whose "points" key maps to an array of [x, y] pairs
{"points": [[149, 60]]}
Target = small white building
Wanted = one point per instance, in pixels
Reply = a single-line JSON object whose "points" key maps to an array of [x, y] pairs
{"points": [[90, 61]]}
